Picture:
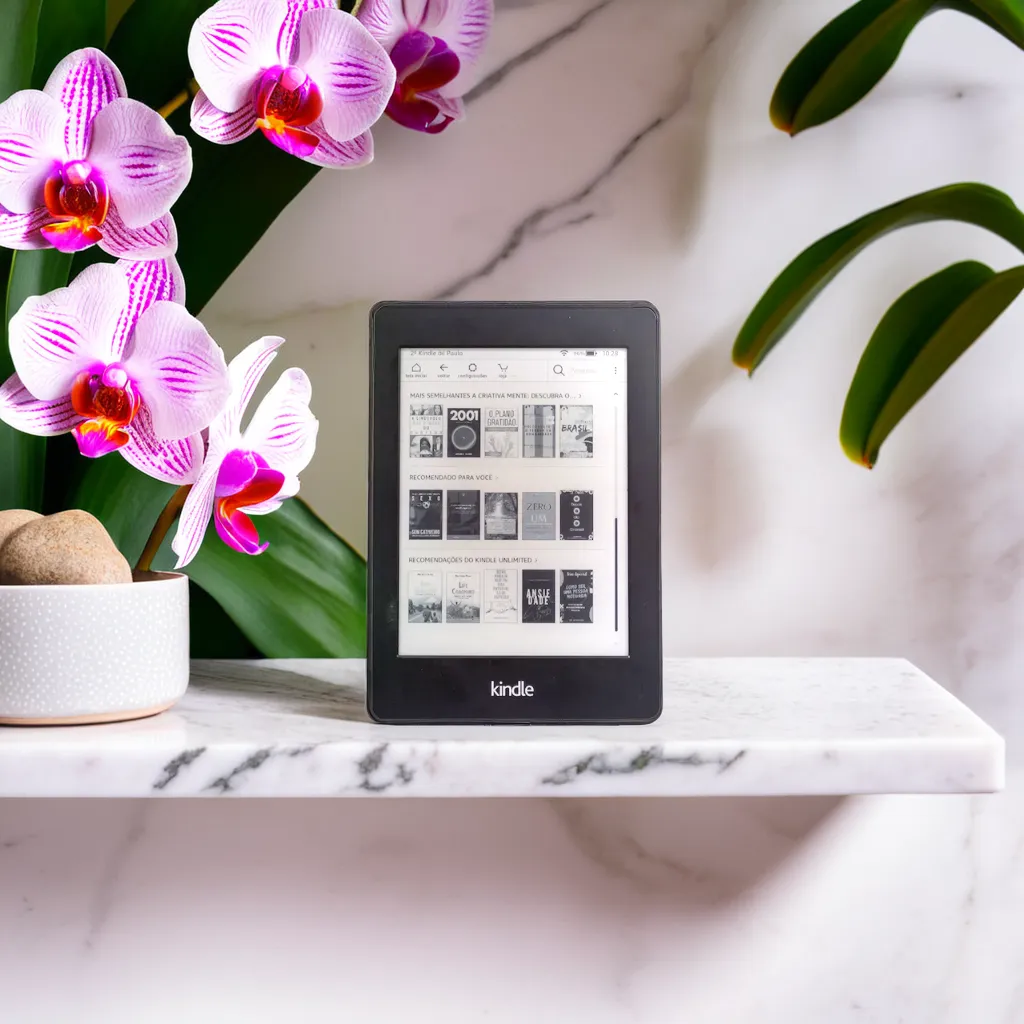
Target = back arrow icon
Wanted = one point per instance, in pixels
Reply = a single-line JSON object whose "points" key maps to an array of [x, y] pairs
{"points": [[444, 366]]}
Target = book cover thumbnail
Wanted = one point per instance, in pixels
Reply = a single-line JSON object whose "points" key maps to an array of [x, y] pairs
{"points": [[463, 515], [576, 432], [501, 432], [538, 431], [425, 515], [501, 515], [425, 595], [539, 515], [463, 433], [576, 515], [501, 595], [463, 598], [538, 595], [426, 431], [576, 595]]}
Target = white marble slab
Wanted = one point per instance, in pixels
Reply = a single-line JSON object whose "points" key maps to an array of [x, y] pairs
{"points": [[733, 726]]}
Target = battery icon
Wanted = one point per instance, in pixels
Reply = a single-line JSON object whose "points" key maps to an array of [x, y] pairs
{"points": [[591, 352]]}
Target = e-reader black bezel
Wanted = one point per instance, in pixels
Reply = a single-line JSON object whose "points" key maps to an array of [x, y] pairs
{"points": [[421, 690]]}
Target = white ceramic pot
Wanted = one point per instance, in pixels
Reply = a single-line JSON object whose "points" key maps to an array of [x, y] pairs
{"points": [[102, 653]]}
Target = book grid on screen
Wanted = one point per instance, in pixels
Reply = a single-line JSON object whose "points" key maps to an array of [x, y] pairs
{"points": [[515, 508]]}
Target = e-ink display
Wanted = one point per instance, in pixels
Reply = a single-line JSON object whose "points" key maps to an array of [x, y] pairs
{"points": [[513, 482]]}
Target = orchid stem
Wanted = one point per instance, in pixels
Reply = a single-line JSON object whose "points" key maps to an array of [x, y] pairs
{"points": [[180, 100], [164, 522]]}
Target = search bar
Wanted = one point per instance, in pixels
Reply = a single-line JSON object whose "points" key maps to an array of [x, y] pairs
{"points": [[569, 370]]}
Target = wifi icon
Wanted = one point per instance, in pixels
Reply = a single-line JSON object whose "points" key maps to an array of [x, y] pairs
{"points": [[565, 351]]}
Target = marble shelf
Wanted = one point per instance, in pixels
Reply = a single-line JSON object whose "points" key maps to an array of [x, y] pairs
{"points": [[751, 727]]}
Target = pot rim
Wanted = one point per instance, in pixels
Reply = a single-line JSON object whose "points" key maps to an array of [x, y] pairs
{"points": [[166, 579]]}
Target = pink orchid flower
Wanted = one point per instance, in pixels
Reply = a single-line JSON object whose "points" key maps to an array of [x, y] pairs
{"points": [[81, 164], [116, 359], [431, 43], [309, 76], [250, 472]]}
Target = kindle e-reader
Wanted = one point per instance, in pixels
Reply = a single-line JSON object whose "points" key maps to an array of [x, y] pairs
{"points": [[514, 519]]}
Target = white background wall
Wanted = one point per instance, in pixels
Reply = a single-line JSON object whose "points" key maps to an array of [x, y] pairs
{"points": [[632, 158]]}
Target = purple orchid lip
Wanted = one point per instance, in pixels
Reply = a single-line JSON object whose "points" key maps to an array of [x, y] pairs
{"points": [[78, 200], [424, 64], [244, 480], [287, 101]]}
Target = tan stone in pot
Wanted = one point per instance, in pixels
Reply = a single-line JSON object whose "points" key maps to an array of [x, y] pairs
{"points": [[14, 519], [70, 547]]}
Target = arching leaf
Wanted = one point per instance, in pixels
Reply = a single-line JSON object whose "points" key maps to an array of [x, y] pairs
{"points": [[924, 332], [799, 284], [852, 53]]}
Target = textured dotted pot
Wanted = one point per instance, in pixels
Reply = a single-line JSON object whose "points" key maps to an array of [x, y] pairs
{"points": [[105, 653]]}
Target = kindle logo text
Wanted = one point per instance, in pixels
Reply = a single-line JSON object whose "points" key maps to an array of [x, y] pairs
{"points": [[518, 689]]}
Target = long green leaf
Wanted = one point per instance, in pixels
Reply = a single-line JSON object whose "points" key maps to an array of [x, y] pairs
{"points": [[65, 26], [924, 332], [799, 284], [19, 20], [56, 28], [304, 597], [852, 53]]}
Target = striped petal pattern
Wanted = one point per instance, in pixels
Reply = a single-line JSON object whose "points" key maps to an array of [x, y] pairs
{"points": [[173, 462], [19, 409], [179, 369], [84, 82], [149, 281]]}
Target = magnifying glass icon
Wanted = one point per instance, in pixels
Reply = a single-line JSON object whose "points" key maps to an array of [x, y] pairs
{"points": [[557, 368]]}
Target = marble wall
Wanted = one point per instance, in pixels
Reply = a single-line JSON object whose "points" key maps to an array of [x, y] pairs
{"points": [[621, 149]]}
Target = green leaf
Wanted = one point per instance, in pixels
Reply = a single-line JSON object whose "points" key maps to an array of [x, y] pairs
{"points": [[799, 284], [853, 52], [66, 26], [18, 24], [924, 332], [48, 32], [304, 597]]}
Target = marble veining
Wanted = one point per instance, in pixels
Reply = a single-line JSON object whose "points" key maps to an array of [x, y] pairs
{"points": [[814, 909], [730, 727]]}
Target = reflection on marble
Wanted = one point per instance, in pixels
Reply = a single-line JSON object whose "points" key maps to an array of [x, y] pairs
{"points": [[731, 726], [879, 909]]}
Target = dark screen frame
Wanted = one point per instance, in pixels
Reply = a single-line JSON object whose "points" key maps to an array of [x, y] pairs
{"points": [[567, 689]]}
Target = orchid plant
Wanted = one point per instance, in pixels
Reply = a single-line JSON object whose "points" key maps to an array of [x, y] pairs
{"points": [[109, 353]]}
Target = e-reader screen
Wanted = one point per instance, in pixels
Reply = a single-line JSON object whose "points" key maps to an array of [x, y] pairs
{"points": [[513, 517]]}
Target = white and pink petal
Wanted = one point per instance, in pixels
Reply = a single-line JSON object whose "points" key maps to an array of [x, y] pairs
{"points": [[173, 462], [179, 368], [195, 514], [31, 147], [84, 82], [144, 163], [155, 241], [283, 429], [288, 38], [463, 24], [354, 74], [215, 125], [231, 44], [22, 230], [149, 281], [56, 336], [19, 409], [246, 370], [385, 20], [351, 153]]}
